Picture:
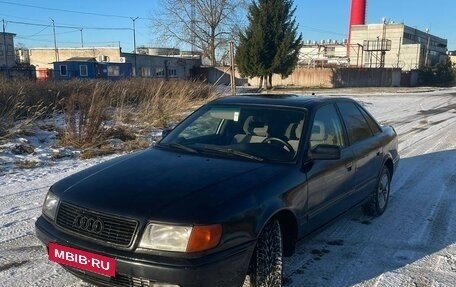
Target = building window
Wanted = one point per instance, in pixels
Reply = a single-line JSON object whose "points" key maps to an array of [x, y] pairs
{"points": [[172, 73], [330, 51], [10, 50], [63, 70], [113, 71], [145, 72], [83, 71], [2, 47], [159, 72]]}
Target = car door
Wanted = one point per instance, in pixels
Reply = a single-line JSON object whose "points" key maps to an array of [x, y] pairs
{"points": [[329, 181], [366, 147]]}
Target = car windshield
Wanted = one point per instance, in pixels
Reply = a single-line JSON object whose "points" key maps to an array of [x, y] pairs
{"points": [[259, 133]]}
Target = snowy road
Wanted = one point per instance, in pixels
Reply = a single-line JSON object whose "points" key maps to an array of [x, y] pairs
{"points": [[412, 244]]}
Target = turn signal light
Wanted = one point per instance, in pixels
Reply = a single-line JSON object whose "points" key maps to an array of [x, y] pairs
{"points": [[204, 237]]}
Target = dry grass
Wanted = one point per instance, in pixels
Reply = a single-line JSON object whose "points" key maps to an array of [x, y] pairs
{"points": [[98, 110]]}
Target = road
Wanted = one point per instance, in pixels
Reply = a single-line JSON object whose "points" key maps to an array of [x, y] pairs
{"points": [[413, 244]]}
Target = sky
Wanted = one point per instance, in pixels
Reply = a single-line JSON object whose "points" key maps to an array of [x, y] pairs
{"points": [[99, 23]]}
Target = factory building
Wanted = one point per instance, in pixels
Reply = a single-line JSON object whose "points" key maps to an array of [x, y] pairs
{"points": [[325, 53], [394, 45], [387, 45]]}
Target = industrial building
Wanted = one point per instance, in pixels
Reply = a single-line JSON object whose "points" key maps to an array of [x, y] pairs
{"points": [[7, 56], [90, 68], [384, 45], [394, 45], [143, 64], [324, 53]]}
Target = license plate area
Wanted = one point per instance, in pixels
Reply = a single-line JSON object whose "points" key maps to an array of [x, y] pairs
{"points": [[83, 260]]}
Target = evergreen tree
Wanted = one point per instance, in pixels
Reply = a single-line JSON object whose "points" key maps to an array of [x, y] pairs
{"points": [[270, 45]]}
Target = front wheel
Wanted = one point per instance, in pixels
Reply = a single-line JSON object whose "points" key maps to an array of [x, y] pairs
{"points": [[266, 264], [379, 200]]}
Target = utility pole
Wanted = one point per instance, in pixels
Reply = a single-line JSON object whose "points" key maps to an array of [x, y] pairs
{"points": [[5, 49], [232, 70], [399, 52], [82, 38], [55, 41], [134, 41], [427, 48]]}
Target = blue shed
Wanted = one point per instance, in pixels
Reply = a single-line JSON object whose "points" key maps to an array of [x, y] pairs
{"points": [[89, 68]]}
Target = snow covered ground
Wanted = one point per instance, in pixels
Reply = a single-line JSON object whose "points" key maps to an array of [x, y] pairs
{"points": [[412, 244]]}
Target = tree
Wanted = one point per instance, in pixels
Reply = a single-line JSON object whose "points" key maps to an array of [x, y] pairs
{"points": [[206, 25], [270, 44], [443, 74]]}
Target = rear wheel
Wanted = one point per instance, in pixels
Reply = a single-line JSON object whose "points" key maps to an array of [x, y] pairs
{"points": [[266, 264], [379, 200]]}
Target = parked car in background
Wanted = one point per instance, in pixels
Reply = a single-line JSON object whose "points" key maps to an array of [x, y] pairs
{"points": [[223, 196]]}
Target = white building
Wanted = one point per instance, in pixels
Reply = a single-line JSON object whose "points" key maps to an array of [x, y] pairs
{"points": [[395, 45], [323, 54]]}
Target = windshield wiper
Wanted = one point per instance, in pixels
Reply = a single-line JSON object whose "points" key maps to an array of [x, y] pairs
{"points": [[230, 151], [180, 147]]}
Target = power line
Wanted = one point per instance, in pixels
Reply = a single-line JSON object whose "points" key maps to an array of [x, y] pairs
{"points": [[72, 11], [39, 32], [321, 30], [112, 43], [64, 10], [46, 35], [23, 18], [68, 27]]}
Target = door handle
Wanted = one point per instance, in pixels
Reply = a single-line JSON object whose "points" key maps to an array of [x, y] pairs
{"points": [[349, 166]]}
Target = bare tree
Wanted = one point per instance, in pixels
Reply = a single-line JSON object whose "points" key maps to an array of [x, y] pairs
{"points": [[205, 25]]}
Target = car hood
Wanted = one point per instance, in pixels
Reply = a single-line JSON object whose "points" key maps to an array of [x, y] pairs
{"points": [[163, 185]]}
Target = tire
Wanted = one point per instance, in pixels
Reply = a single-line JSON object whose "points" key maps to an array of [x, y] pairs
{"points": [[379, 199], [266, 264]]}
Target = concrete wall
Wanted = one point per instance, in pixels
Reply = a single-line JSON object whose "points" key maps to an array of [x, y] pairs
{"points": [[365, 77], [7, 56], [221, 76], [302, 77], [42, 58], [323, 78]]}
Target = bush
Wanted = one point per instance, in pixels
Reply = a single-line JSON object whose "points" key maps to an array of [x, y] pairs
{"points": [[95, 110], [443, 75]]}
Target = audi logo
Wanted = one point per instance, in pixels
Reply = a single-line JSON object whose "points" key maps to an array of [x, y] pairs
{"points": [[88, 223]]}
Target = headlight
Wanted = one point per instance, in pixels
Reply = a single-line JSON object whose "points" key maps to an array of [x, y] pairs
{"points": [[50, 205], [180, 238]]}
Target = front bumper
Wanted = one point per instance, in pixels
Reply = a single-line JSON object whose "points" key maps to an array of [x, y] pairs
{"points": [[225, 268]]}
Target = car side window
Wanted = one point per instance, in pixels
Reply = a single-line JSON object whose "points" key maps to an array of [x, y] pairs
{"points": [[327, 128], [357, 126], [372, 123]]}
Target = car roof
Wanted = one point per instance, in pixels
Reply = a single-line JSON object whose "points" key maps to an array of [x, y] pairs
{"points": [[286, 100]]}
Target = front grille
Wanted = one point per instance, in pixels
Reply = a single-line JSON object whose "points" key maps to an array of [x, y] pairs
{"points": [[120, 280], [113, 230]]}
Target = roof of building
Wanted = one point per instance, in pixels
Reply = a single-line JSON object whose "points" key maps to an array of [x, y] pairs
{"points": [[81, 59], [8, 33]]}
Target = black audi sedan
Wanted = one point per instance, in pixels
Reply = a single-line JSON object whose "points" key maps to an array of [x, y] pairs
{"points": [[223, 196]]}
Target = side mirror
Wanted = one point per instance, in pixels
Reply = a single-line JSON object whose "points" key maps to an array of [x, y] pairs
{"points": [[325, 152]]}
